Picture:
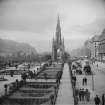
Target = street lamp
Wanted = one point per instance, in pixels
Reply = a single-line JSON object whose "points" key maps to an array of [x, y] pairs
{"points": [[92, 81], [95, 49]]}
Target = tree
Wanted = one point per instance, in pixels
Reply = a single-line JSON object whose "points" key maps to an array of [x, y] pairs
{"points": [[66, 56], [45, 57]]}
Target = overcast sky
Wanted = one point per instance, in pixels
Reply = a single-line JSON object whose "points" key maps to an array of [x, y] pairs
{"points": [[34, 21]]}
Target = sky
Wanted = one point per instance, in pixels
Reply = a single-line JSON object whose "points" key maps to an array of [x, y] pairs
{"points": [[34, 21]]}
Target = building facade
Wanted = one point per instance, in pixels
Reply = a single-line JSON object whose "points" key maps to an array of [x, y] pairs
{"points": [[102, 46], [92, 47], [95, 47]]}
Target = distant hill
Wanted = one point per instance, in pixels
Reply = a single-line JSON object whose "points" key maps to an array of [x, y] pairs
{"points": [[9, 47]]}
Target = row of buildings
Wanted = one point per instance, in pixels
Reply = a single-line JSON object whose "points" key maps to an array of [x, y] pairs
{"points": [[96, 45]]}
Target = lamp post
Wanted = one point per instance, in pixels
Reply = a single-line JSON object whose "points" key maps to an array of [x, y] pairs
{"points": [[95, 50], [92, 82]]}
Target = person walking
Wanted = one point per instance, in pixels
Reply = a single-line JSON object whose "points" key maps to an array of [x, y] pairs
{"points": [[80, 95], [11, 73], [52, 99], [103, 99], [45, 76], [87, 95], [97, 65], [17, 84], [76, 100], [85, 80], [97, 100], [5, 87]]}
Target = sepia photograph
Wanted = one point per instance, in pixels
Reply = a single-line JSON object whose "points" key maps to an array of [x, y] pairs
{"points": [[52, 52]]}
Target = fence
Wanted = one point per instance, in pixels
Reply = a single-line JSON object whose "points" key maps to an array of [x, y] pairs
{"points": [[73, 87]]}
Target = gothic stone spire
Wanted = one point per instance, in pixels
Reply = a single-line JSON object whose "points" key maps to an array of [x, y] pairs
{"points": [[58, 31]]}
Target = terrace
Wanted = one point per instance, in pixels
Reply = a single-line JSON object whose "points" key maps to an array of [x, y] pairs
{"points": [[35, 91]]}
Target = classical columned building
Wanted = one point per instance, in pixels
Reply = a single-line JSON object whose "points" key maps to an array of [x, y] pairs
{"points": [[95, 47], [92, 46], [102, 45]]}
